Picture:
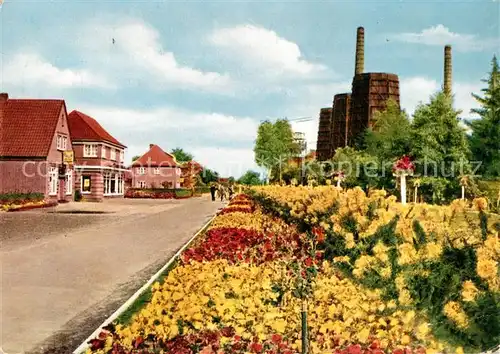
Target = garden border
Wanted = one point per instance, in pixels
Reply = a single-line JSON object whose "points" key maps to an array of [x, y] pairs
{"points": [[84, 345]]}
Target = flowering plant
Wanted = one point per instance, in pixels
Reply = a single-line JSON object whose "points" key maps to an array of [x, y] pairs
{"points": [[403, 166]]}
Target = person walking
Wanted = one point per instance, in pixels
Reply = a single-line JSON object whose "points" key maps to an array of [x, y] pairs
{"points": [[231, 191], [222, 192], [212, 191]]}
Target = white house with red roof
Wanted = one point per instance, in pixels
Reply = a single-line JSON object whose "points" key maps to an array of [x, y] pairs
{"points": [[156, 169], [99, 159], [33, 137]]}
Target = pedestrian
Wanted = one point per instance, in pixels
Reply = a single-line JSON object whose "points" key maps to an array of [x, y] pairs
{"points": [[212, 191], [222, 191], [231, 191]]}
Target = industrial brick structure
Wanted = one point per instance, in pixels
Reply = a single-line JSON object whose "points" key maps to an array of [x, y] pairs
{"points": [[324, 143], [353, 112]]}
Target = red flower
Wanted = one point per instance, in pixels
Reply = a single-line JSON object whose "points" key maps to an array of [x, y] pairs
{"points": [[319, 232], [256, 347], [354, 349], [276, 339], [308, 261], [404, 164], [227, 332]]}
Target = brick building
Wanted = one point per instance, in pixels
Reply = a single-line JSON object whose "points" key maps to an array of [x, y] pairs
{"points": [[99, 159], [156, 169], [352, 113], [33, 136]]}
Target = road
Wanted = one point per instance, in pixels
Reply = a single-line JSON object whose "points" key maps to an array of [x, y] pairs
{"points": [[63, 274]]}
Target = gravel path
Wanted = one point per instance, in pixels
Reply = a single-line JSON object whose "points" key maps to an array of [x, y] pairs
{"points": [[63, 274]]}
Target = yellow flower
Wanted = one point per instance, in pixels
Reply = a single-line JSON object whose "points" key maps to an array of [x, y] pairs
{"points": [[487, 268], [469, 291], [480, 203], [455, 313]]}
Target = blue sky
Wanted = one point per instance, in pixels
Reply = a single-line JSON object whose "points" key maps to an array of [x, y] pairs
{"points": [[202, 74]]}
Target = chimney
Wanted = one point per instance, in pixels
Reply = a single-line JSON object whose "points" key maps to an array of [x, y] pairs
{"points": [[360, 51], [151, 146], [447, 70]]}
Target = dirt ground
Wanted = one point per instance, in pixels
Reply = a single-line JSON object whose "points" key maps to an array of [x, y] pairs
{"points": [[63, 273]]}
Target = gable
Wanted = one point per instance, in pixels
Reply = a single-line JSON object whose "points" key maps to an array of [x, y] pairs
{"points": [[28, 127]]}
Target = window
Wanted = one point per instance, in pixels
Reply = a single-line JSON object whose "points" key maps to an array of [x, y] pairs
{"points": [[53, 174], [141, 184], [157, 171], [69, 182], [62, 142], [122, 156], [90, 150], [103, 152], [113, 154], [113, 184], [141, 170], [86, 184]]}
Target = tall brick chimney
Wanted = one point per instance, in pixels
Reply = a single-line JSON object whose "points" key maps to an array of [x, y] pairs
{"points": [[360, 51], [447, 70]]}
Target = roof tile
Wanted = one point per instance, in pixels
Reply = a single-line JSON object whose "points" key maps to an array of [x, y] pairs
{"points": [[28, 126], [84, 127], [156, 157]]}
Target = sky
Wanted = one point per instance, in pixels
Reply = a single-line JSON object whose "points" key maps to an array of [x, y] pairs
{"points": [[202, 75]]}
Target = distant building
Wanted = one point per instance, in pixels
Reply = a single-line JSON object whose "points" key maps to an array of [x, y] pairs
{"points": [[34, 134], [156, 169], [352, 113], [99, 158]]}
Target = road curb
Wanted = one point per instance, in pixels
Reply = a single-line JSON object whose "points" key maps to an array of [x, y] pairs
{"points": [[84, 345]]}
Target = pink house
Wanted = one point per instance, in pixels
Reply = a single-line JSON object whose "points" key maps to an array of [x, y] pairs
{"points": [[99, 159], [156, 169], [34, 134]]}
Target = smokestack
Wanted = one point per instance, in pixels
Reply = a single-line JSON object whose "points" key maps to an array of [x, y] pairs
{"points": [[447, 70], [360, 51]]}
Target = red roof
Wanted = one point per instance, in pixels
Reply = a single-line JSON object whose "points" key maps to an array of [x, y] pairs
{"points": [[156, 157], [28, 126], [83, 127]]}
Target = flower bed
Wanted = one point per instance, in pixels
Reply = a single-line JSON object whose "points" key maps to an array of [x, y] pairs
{"points": [[439, 260], [28, 206], [17, 201], [159, 193], [243, 285]]}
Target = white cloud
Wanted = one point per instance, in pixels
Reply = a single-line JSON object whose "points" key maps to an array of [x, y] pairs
{"points": [[264, 51], [203, 134], [308, 100], [30, 69], [414, 90], [133, 48], [440, 35], [226, 161]]}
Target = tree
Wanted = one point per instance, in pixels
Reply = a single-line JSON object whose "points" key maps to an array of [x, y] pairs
{"points": [[485, 137], [136, 157], [274, 146], [181, 155], [208, 175], [389, 137], [439, 143], [250, 178]]}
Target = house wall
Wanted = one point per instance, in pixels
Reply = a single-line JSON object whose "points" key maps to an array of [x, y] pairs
{"points": [[32, 175], [96, 185], [100, 160], [24, 176], [167, 174]]}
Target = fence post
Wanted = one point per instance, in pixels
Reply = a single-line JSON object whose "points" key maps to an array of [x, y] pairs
{"points": [[304, 327]]}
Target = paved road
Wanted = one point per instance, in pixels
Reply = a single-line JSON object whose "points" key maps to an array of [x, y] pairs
{"points": [[63, 274]]}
